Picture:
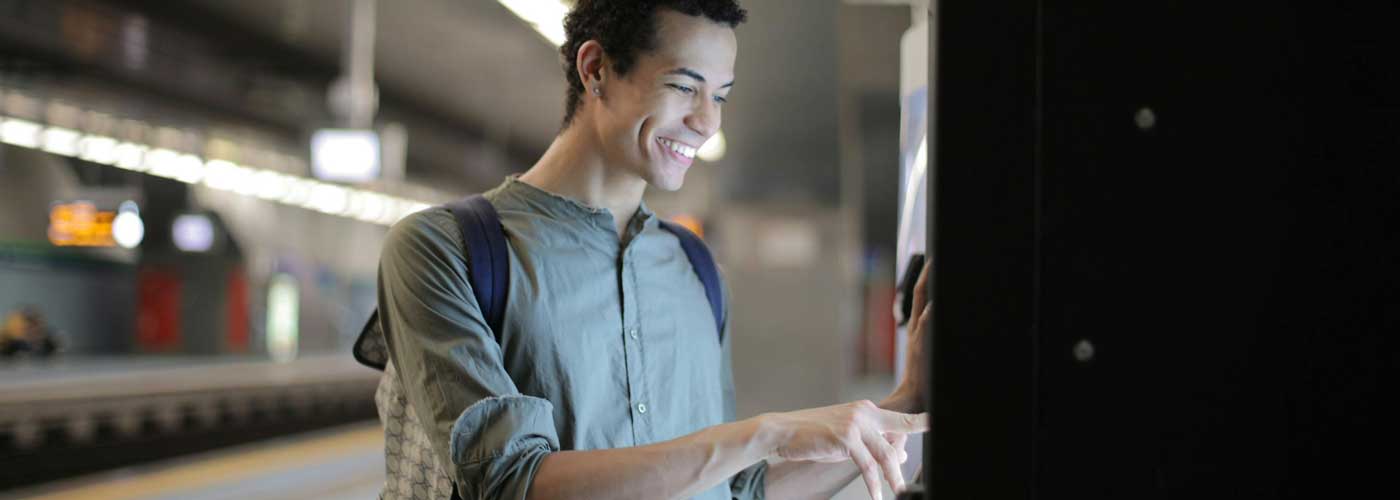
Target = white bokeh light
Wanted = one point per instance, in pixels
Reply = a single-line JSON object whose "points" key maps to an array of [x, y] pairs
{"points": [[127, 228], [714, 148], [193, 233]]}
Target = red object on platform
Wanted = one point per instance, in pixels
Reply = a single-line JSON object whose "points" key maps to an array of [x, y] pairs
{"points": [[158, 312], [236, 339]]}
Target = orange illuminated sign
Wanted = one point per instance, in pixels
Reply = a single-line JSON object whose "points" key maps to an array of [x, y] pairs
{"points": [[691, 223], [80, 224]]}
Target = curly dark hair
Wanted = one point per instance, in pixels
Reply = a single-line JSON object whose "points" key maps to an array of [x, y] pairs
{"points": [[626, 28]]}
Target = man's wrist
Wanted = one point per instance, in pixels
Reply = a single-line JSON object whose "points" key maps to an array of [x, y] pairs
{"points": [[902, 400], [765, 435]]}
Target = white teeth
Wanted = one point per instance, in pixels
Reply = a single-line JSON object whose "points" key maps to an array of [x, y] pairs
{"points": [[681, 149]]}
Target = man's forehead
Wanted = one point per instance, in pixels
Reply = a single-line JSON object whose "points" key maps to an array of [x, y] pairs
{"points": [[694, 47]]}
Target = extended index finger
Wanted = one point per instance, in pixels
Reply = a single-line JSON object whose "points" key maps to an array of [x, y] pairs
{"points": [[893, 421]]}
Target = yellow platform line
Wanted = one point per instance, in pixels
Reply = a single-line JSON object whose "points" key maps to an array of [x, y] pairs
{"points": [[229, 468]]}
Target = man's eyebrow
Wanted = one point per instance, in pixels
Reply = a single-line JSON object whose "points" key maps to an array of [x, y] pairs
{"points": [[691, 73]]}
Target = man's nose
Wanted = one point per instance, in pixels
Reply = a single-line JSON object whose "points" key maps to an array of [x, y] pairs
{"points": [[704, 120]]}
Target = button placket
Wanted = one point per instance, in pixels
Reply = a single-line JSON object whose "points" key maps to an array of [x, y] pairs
{"points": [[641, 395], [634, 365]]}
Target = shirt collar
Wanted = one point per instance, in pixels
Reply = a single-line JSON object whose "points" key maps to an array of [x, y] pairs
{"points": [[561, 207]]}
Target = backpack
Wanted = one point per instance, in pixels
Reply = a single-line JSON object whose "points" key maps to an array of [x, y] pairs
{"points": [[488, 270]]}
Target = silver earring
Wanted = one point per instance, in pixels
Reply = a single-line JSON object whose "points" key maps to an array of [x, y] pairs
{"points": [[597, 91]]}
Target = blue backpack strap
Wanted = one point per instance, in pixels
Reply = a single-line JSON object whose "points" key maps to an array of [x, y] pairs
{"points": [[488, 270], [704, 265], [488, 258]]}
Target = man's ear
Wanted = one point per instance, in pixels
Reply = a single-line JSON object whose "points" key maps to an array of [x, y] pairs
{"points": [[592, 65]]}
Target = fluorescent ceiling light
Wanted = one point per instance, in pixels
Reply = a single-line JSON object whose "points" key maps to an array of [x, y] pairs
{"points": [[223, 175], [161, 163], [131, 156], [371, 207], [267, 185], [220, 175], [546, 16], [61, 141], [328, 199], [21, 133], [297, 191], [98, 149], [189, 169]]}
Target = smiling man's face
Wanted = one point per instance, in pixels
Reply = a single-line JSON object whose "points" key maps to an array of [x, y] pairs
{"points": [[655, 118]]}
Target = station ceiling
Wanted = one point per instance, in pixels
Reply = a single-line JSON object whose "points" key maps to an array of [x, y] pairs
{"points": [[478, 64]]}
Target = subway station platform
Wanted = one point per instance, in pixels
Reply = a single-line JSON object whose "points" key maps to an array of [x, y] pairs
{"points": [[67, 417]]}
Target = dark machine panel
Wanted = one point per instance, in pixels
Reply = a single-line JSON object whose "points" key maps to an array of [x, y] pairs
{"points": [[1165, 249]]}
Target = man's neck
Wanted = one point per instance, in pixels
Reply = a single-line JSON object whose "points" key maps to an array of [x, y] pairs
{"points": [[573, 167]]}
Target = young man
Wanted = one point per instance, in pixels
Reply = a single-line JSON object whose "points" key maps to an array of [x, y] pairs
{"points": [[608, 378]]}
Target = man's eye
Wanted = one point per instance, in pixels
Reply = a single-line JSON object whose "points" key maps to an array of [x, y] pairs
{"points": [[682, 88], [721, 99]]}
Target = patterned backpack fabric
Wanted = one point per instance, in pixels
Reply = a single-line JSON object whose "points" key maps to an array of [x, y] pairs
{"points": [[412, 470]]}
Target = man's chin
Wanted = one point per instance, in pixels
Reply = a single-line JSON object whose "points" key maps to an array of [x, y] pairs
{"points": [[667, 182], [669, 187]]}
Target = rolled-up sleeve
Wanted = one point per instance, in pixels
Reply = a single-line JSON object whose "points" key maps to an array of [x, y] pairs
{"points": [[748, 484], [450, 364]]}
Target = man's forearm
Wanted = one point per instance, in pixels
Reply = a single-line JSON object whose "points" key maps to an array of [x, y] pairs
{"points": [[808, 480], [680, 468]]}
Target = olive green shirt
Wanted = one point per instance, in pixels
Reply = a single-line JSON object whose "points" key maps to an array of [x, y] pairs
{"points": [[607, 342]]}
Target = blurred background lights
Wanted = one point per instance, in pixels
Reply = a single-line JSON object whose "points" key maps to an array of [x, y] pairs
{"points": [[127, 228], [713, 149], [192, 233], [690, 222], [345, 155], [61, 141], [20, 133], [98, 149], [130, 156], [546, 16], [282, 317]]}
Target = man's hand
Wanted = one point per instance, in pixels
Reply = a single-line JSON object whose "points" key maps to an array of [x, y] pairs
{"points": [[908, 396], [860, 432]]}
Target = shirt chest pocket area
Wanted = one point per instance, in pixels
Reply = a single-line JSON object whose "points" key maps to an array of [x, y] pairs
{"points": [[567, 338], [684, 367], [683, 349]]}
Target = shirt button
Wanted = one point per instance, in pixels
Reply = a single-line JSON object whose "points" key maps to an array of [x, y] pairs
{"points": [[632, 332], [642, 408]]}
